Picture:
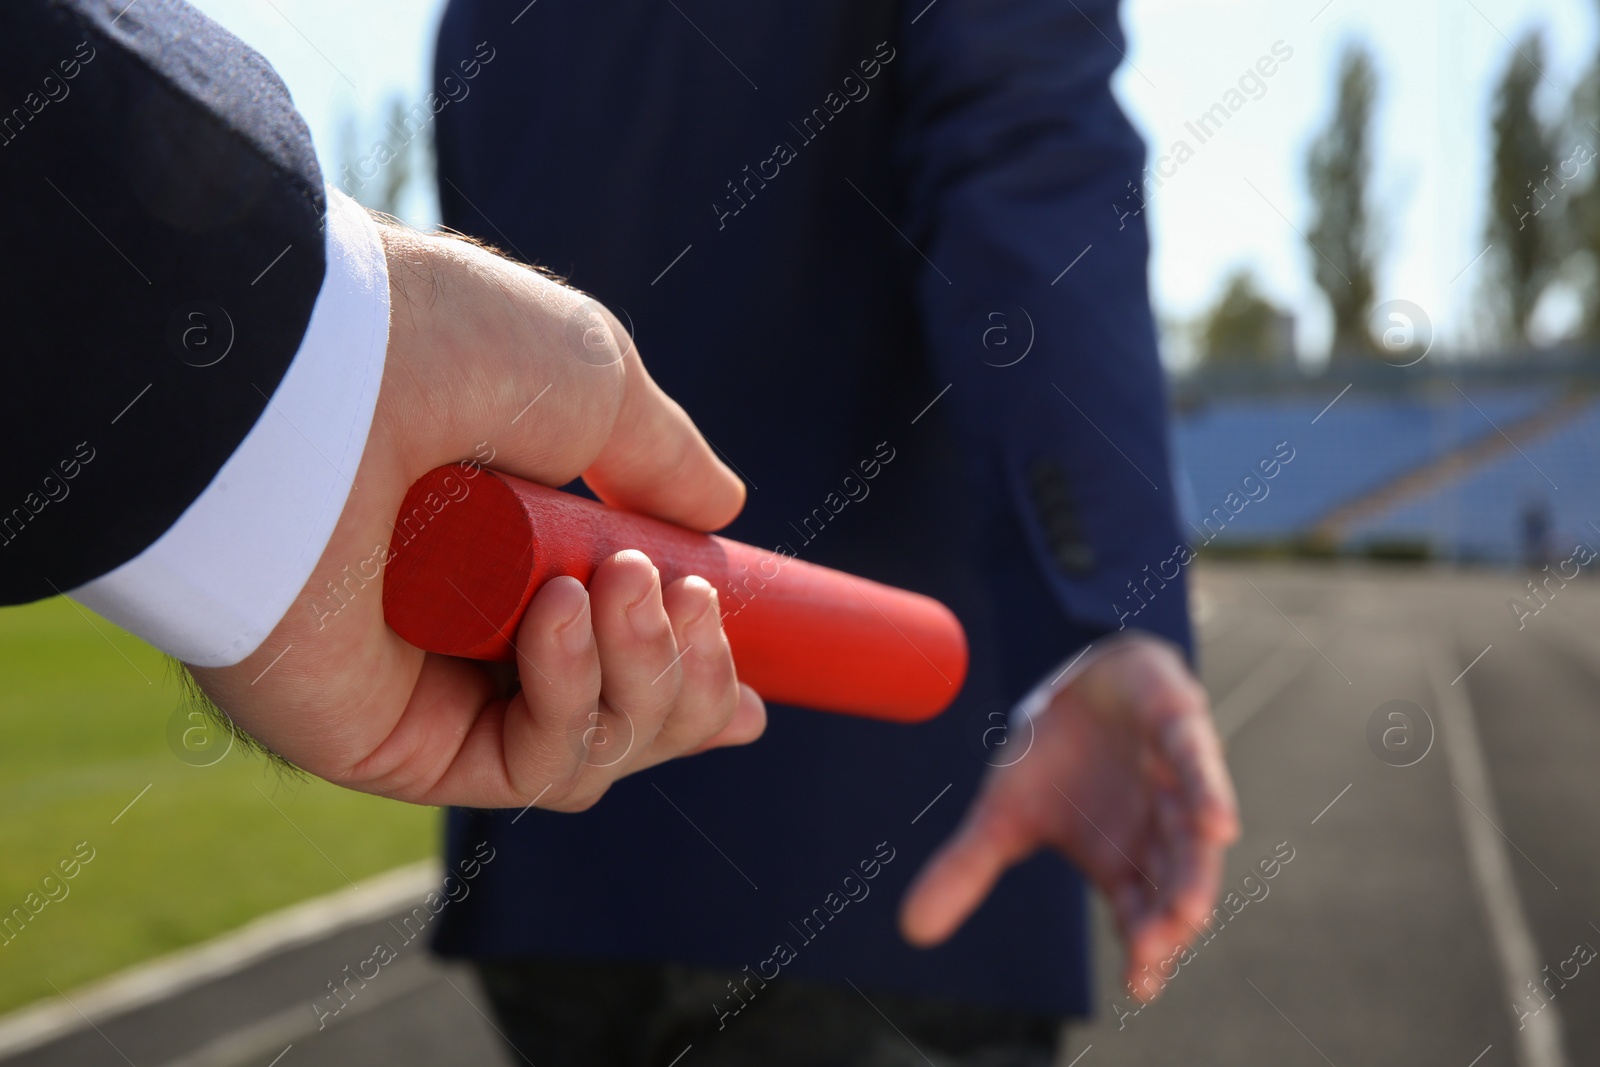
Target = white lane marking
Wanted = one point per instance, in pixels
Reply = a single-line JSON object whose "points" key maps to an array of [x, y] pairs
{"points": [[1539, 1042], [170, 976], [299, 1021]]}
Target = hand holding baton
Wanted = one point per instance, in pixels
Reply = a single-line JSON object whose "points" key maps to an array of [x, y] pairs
{"points": [[464, 566]]}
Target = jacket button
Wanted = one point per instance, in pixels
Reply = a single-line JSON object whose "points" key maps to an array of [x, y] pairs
{"points": [[1052, 499]]}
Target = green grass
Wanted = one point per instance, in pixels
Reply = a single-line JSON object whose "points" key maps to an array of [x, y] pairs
{"points": [[84, 726]]}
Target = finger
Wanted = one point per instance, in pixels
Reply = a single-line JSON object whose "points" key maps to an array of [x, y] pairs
{"points": [[1191, 874], [1174, 707], [960, 875], [749, 722], [457, 739], [1127, 898], [1194, 865], [638, 654], [1146, 938], [1135, 898], [1142, 968], [558, 664], [704, 675], [656, 462], [1194, 753]]}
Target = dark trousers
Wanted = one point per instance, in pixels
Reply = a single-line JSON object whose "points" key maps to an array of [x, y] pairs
{"points": [[589, 1014]]}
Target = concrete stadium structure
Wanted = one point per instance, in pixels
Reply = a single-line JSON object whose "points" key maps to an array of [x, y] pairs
{"points": [[1466, 462]]}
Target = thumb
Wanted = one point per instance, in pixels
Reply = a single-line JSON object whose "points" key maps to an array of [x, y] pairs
{"points": [[656, 462], [960, 875]]}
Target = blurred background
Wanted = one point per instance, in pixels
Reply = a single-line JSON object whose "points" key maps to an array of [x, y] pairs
{"points": [[1378, 266]]}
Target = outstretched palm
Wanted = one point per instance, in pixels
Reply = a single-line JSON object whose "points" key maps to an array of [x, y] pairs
{"points": [[1124, 776]]}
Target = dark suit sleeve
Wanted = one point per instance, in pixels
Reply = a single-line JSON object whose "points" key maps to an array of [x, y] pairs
{"points": [[163, 255], [1019, 162]]}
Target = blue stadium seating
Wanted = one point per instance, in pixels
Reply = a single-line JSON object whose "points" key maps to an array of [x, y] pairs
{"points": [[1358, 445], [1480, 516]]}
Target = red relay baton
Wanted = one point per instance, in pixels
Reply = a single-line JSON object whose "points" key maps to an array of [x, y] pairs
{"points": [[472, 546]]}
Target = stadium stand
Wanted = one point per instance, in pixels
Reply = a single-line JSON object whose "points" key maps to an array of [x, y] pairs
{"points": [[1357, 446], [1481, 515]]}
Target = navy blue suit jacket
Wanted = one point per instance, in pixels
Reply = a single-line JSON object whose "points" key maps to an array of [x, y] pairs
{"points": [[849, 236], [152, 164]]}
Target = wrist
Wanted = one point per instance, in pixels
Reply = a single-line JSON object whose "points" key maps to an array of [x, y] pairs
{"points": [[1061, 678]]}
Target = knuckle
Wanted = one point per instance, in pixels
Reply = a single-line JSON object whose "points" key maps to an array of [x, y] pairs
{"points": [[675, 461], [720, 710], [574, 791], [651, 700], [728, 702], [574, 801]]}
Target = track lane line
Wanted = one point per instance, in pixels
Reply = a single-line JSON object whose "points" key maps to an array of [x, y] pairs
{"points": [[1539, 1041]]}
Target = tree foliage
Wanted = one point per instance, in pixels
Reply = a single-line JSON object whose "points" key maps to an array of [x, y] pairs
{"points": [[381, 167], [1525, 203], [1243, 328], [1342, 235], [1579, 235]]}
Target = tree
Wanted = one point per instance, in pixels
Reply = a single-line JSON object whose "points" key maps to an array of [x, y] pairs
{"points": [[403, 169], [1342, 238], [1243, 328], [1579, 236], [1525, 200], [381, 172]]}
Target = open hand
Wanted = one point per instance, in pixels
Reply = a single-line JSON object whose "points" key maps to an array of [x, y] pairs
{"points": [[1125, 777]]}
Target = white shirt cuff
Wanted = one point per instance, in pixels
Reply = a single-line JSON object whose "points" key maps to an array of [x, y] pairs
{"points": [[1041, 696], [212, 587]]}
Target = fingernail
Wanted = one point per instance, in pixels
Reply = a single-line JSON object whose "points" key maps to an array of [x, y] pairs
{"points": [[649, 621], [705, 630], [577, 632]]}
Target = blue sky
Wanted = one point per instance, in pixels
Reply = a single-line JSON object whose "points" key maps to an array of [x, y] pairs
{"points": [[1241, 197]]}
